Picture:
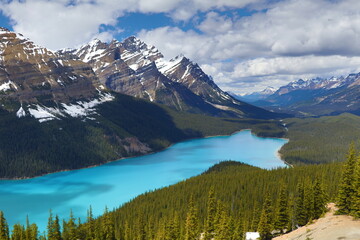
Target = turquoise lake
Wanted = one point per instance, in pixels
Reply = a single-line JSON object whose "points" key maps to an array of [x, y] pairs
{"points": [[118, 182]]}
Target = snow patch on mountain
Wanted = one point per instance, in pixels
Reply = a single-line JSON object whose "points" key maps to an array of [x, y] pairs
{"points": [[78, 109], [7, 86], [166, 67], [44, 114], [21, 112]]}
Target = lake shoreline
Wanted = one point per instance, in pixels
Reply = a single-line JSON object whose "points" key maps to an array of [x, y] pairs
{"points": [[118, 182], [149, 153]]}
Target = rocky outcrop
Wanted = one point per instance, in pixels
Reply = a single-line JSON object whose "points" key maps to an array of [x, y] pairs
{"points": [[32, 74]]}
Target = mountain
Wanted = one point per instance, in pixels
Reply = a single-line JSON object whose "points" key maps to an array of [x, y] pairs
{"points": [[56, 113], [37, 82], [134, 68], [318, 96], [256, 96]]}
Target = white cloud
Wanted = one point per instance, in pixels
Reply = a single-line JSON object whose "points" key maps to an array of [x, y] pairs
{"points": [[288, 40], [294, 65], [292, 39], [257, 74], [55, 24], [67, 23]]}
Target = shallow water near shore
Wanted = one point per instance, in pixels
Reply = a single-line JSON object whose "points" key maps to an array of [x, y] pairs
{"points": [[115, 183]]}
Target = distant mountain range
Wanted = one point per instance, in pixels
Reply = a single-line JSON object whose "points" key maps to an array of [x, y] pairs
{"points": [[318, 96], [255, 96]]}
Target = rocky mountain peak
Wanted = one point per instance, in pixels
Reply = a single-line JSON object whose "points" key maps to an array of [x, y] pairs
{"points": [[268, 91], [33, 74], [4, 30], [135, 68]]}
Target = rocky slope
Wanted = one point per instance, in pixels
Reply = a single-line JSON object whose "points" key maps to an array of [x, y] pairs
{"points": [[330, 227], [28, 71], [137, 69], [37, 82]]}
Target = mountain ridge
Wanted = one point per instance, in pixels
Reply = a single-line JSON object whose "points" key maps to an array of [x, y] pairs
{"points": [[317, 96], [134, 68]]}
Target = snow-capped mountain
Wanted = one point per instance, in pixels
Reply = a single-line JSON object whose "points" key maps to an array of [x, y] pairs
{"points": [[59, 110], [317, 96], [315, 83], [38, 82], [134, 68], [255, 96]]}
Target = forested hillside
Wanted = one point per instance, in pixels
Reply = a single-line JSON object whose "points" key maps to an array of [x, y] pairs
{"points": [[320, 140], [224, 202], [121, 128]]}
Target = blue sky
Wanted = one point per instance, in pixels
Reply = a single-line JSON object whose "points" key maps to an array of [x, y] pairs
{"points": [[246, 45]]}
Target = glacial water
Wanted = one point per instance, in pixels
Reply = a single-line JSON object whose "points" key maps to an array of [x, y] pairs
{"points": [[118, 182]]}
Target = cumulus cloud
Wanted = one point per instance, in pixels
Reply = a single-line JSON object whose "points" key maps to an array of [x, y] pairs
{"points": [[257, 74], [57, 24], [292, 39], [68, 23], [282, 40]]}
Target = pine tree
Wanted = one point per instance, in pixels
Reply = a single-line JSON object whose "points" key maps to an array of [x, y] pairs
{"points": [[308, 201], [192, 226], [161, 232], [53, 228], [18, 232], [265, 225], [300, 210], [346, 188], [90, 228], [220, 208], [4, 227], [141, 233], [355, 207], [282, 211], [108, 226], [292, 214], [150, 231], [172, 229], [238, 230], [319, 199], [255, 218], [31, 231], [56, 228], [34, 232], [127, 232], [28, 229], [211, 214], [223, 232], [70, 228]]}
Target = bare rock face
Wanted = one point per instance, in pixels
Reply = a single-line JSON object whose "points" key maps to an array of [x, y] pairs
{"points": [[130, 68], [182, 70], [32, 74], [137, 69]]}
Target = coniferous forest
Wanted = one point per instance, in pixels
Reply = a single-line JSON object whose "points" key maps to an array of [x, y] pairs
{"points": [[30, 149], [224, 202]]}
